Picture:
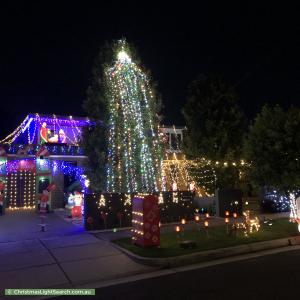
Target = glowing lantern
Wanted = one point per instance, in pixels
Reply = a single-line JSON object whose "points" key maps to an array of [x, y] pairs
{"points": [[177, 228], [183, 221]]}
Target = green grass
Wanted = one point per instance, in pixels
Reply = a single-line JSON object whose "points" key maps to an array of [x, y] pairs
{"points": [[217, 239]]}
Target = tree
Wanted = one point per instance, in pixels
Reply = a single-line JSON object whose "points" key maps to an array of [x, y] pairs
{"points": [[127, 148], [94, 140], [215, 125], [292, 137], [273, 148]]}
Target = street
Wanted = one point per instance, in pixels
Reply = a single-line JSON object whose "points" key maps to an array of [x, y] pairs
{"points": [[275, 276]]}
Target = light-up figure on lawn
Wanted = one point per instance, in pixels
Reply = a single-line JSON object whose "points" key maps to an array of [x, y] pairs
{"points": [[77, 209], [75, 202]]}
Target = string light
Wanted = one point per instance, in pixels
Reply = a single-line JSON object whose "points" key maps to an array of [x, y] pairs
{"points": [[102, 201], [25, 169], [133, 141], [160, 199], [127, 200], [19, 134]]}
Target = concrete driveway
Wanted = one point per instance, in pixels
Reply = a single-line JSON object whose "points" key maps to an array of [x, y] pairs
{"points": [[24, 225], [63, 256]]}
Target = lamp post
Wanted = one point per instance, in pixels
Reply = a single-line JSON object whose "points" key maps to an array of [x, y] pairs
{"points": [[183, 222], [206, 227], [178, 230], [227, 223], [234, 223], [197, 220]]}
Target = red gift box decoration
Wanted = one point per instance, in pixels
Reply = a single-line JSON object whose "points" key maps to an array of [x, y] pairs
{"points": [[145, 221]]}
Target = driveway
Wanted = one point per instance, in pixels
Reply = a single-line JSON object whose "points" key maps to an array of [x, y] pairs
{"points": [[24, 225], [63, 256]]}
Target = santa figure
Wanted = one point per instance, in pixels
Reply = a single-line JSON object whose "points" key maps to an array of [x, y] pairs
{"points": [[44, 200], [44, 133], [76, 210]]}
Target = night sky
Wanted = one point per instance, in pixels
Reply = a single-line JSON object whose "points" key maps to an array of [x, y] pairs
{"points": [[47, 50]]}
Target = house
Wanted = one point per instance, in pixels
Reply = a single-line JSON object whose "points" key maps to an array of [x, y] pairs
{"points": [[43, 149]]}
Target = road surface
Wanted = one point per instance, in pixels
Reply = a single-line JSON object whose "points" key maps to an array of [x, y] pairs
{"points": [[275, 276]]}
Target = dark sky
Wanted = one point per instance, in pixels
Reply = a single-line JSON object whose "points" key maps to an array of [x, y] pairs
{"points": [[47, 50]]}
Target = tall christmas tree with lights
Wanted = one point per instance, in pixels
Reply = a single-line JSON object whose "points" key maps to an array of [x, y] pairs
{"points": [[134, 151]]}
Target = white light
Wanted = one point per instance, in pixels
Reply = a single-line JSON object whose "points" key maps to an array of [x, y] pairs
{"points": [[86, 183], [27, 125], [123, 57]]}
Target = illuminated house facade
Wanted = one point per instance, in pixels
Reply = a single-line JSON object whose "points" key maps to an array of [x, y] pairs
{"points": [[42, 150], [46, 149]]}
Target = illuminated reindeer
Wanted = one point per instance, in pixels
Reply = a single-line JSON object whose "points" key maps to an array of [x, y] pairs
{"points": [[249, 225]]}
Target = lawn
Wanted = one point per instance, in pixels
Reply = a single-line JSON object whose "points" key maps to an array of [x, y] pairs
{"points": [[217, 238]]}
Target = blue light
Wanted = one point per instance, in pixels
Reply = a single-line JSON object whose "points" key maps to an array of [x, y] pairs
{"points": [[69, 169]]}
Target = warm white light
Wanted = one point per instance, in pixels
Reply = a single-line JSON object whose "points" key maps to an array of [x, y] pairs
{"points": [[123, 57], [86, 183]]}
